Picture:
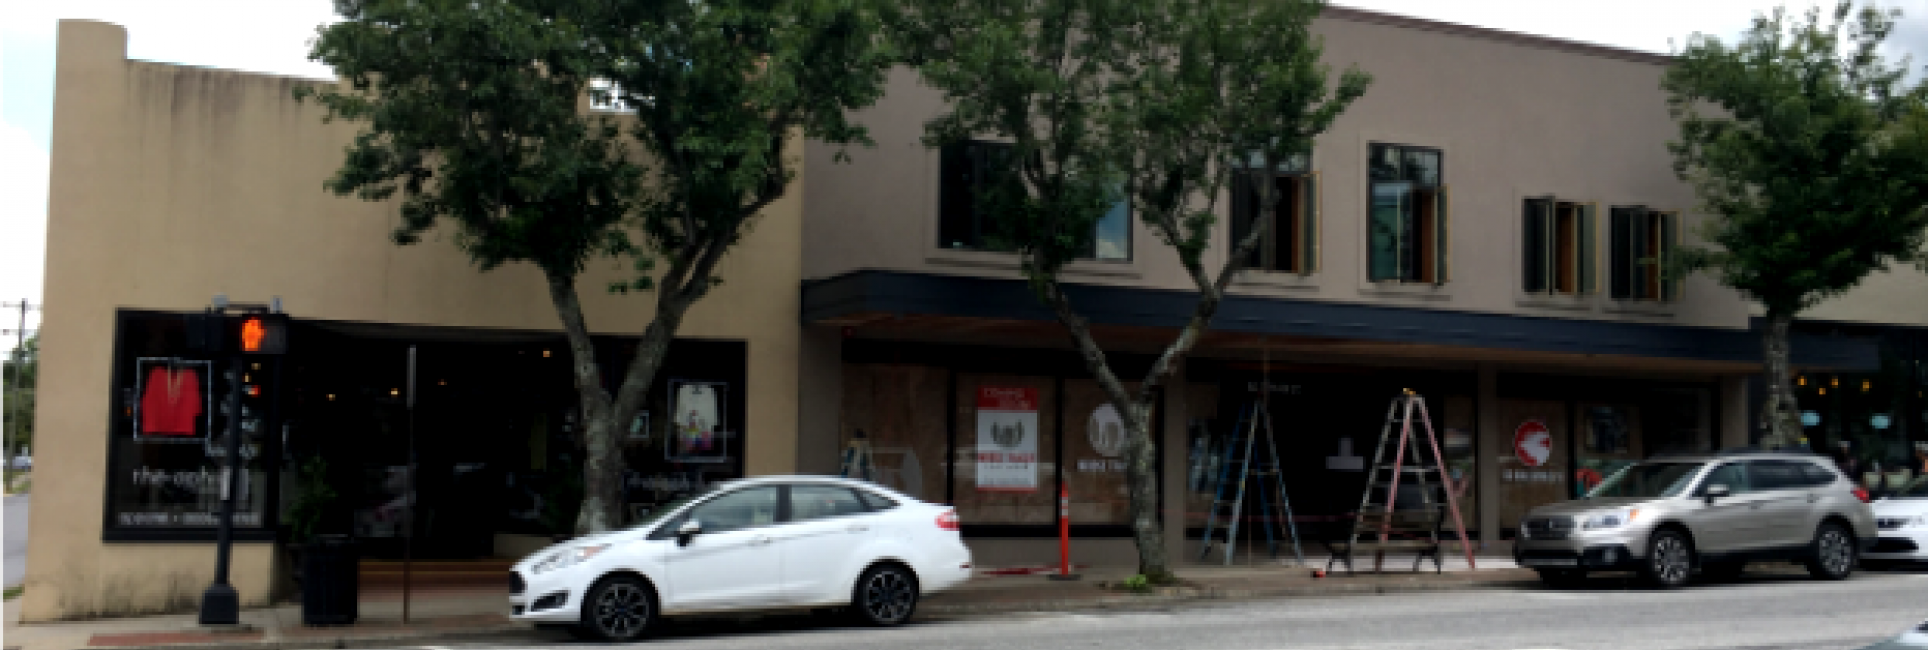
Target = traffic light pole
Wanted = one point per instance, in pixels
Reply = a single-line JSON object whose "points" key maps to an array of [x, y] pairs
{"points": [[220, 605]]}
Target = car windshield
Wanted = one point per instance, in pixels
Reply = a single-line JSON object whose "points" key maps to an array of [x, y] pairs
{"points": [[1646, 480], [664, 510]]}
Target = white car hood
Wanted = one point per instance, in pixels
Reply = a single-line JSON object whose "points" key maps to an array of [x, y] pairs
{"points": [[547, 551], [1900, 507]]}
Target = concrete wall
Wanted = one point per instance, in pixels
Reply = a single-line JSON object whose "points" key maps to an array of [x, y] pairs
{"points": [[1896, 296], [171, 184], [1515, 116]]}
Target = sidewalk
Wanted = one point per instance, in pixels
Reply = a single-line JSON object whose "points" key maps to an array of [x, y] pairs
{"points": [[456, 614]]}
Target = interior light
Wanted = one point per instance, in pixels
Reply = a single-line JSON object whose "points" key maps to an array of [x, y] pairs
{"points": [[331, 397], [392, 392], [545, 354], [1802, 380], [1824, 391], [1865, 385], [444, 382], [1834, 381]]}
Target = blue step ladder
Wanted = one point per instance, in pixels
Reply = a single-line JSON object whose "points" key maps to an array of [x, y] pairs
{"points": [[1238, 469]]}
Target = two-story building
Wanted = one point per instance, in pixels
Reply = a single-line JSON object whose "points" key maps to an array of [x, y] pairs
{"points": [[1472, 229]]}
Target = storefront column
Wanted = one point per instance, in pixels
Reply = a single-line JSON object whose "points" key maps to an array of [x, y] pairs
{"points": [[1494, 445], [1172, 459], [820, 401], [1733, 412]]}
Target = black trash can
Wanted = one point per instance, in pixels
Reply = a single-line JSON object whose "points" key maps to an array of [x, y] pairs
{"points": [[330, 581]]}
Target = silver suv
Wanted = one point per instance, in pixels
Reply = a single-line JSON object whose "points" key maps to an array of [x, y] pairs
{"points": [[1670, 516]]}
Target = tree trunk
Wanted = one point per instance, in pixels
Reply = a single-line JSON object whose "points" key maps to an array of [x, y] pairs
{"points": [[1783, 424], [1141, 476]]}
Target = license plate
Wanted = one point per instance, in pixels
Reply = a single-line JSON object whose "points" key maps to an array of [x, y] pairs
{"points": [[1549, 561]]}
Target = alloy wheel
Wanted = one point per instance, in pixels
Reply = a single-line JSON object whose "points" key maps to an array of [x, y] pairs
{"points": [[888, 596], [1834, 554], [622, 610], [1670, 560]]}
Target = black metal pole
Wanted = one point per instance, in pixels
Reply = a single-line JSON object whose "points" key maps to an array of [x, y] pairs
{"points": [[220, 605]]}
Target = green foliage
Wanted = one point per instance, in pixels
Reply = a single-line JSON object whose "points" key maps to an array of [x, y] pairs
{"points": [[20, 372], [1808, 149], [314, 497], [1138, 583], [478, 114], [1162, 97]]}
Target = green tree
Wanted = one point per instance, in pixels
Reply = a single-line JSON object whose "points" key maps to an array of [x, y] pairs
{"points": [[474, 111], [1810, 153], [1167, 99], [21, 373]]}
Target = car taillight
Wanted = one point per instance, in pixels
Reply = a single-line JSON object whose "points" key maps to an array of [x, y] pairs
{"points": [[948, 520], [1862, 494]]}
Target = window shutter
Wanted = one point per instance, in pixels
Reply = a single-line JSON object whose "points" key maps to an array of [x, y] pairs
{"points": [[1309, 233], [1533, 226], [1669, 233], [1586, 252], [1442, 260]]}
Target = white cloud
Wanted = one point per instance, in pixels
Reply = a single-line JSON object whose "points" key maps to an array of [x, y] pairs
{"points": [[23, 221], [254, 35]]}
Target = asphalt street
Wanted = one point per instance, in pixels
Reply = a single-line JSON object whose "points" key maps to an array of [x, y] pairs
{"points": [[1756, 613], [16, 542]]}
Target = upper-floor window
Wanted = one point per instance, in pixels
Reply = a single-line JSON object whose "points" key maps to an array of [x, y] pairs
{"points": [[1407, 225], [1641, 238], [1291, 240], [1557, 244], [966, 222]]}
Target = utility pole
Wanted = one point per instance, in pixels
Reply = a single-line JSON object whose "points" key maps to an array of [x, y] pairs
{"points": [[10, 436]]}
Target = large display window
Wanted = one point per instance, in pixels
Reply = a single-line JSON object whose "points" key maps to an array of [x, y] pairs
{"points": [[167, 436]]}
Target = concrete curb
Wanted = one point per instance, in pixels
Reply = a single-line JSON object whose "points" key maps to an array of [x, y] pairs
{"points": [[1168, 596]]}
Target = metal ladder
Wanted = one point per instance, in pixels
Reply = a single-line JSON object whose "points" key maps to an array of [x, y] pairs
{"points": [[1275, 505], [1421, 524]]}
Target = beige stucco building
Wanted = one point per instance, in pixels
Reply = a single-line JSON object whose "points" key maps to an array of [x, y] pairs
{"points": [[1470, 229]]}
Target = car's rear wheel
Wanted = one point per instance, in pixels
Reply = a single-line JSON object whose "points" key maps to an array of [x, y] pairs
{"points": [[1832, 554], [619, 608], [1670, 559], [885, 595], [1561, 578]]}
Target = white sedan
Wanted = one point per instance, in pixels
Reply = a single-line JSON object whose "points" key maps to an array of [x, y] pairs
{"points": [[1902, 519], [763, 543]]}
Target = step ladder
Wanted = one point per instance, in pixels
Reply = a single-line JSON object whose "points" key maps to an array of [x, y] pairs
{"points": [[1382, 524], [1238, 469]]}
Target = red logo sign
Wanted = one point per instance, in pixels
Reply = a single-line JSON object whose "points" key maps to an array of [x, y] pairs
{"points": [[1001, 398], [1533, 443]]}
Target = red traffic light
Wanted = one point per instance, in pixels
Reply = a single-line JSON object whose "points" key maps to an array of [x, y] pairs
{"points": [[263, 334]]}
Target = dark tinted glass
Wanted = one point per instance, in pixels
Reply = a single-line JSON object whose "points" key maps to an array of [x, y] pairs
{"points": [[809, 502], [1817, 475], [876, 501], [1776, 475]]}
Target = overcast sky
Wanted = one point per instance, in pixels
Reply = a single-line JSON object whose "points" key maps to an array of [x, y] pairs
{"points": [[272, 36]]}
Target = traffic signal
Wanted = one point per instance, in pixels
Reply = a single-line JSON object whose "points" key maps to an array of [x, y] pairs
{"points": [[263, 334]]}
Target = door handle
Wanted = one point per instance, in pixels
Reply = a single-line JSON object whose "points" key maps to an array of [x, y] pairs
{"points": [[1813, 497], [858, 528], [760, 540]]}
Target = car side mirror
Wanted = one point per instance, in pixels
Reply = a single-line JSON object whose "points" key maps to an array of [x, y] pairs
{"points": [[688, 530], [1717, 491]]}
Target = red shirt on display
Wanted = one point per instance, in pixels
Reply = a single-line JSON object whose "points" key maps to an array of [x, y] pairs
{"points": [[171, 402]]}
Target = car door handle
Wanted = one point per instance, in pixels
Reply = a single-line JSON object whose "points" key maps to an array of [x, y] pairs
{"points": [[760, 540], [1813, 498], [858, 528]]}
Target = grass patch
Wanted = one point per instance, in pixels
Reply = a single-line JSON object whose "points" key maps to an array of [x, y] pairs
{"points": [[15, 591]]}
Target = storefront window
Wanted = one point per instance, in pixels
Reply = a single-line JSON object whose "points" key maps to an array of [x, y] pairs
{"points": [[1095, 460], [168, 431], [1006, 454], [1874, 425], [893, 427]]}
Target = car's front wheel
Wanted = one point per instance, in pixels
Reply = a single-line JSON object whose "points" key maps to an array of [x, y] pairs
{"points": [[1833, 553], [886, 594], [1670, 559], [619, 608]]}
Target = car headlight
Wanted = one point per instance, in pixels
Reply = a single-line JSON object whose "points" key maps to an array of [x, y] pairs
{"points": [[1614, 519], [568, 558]]}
